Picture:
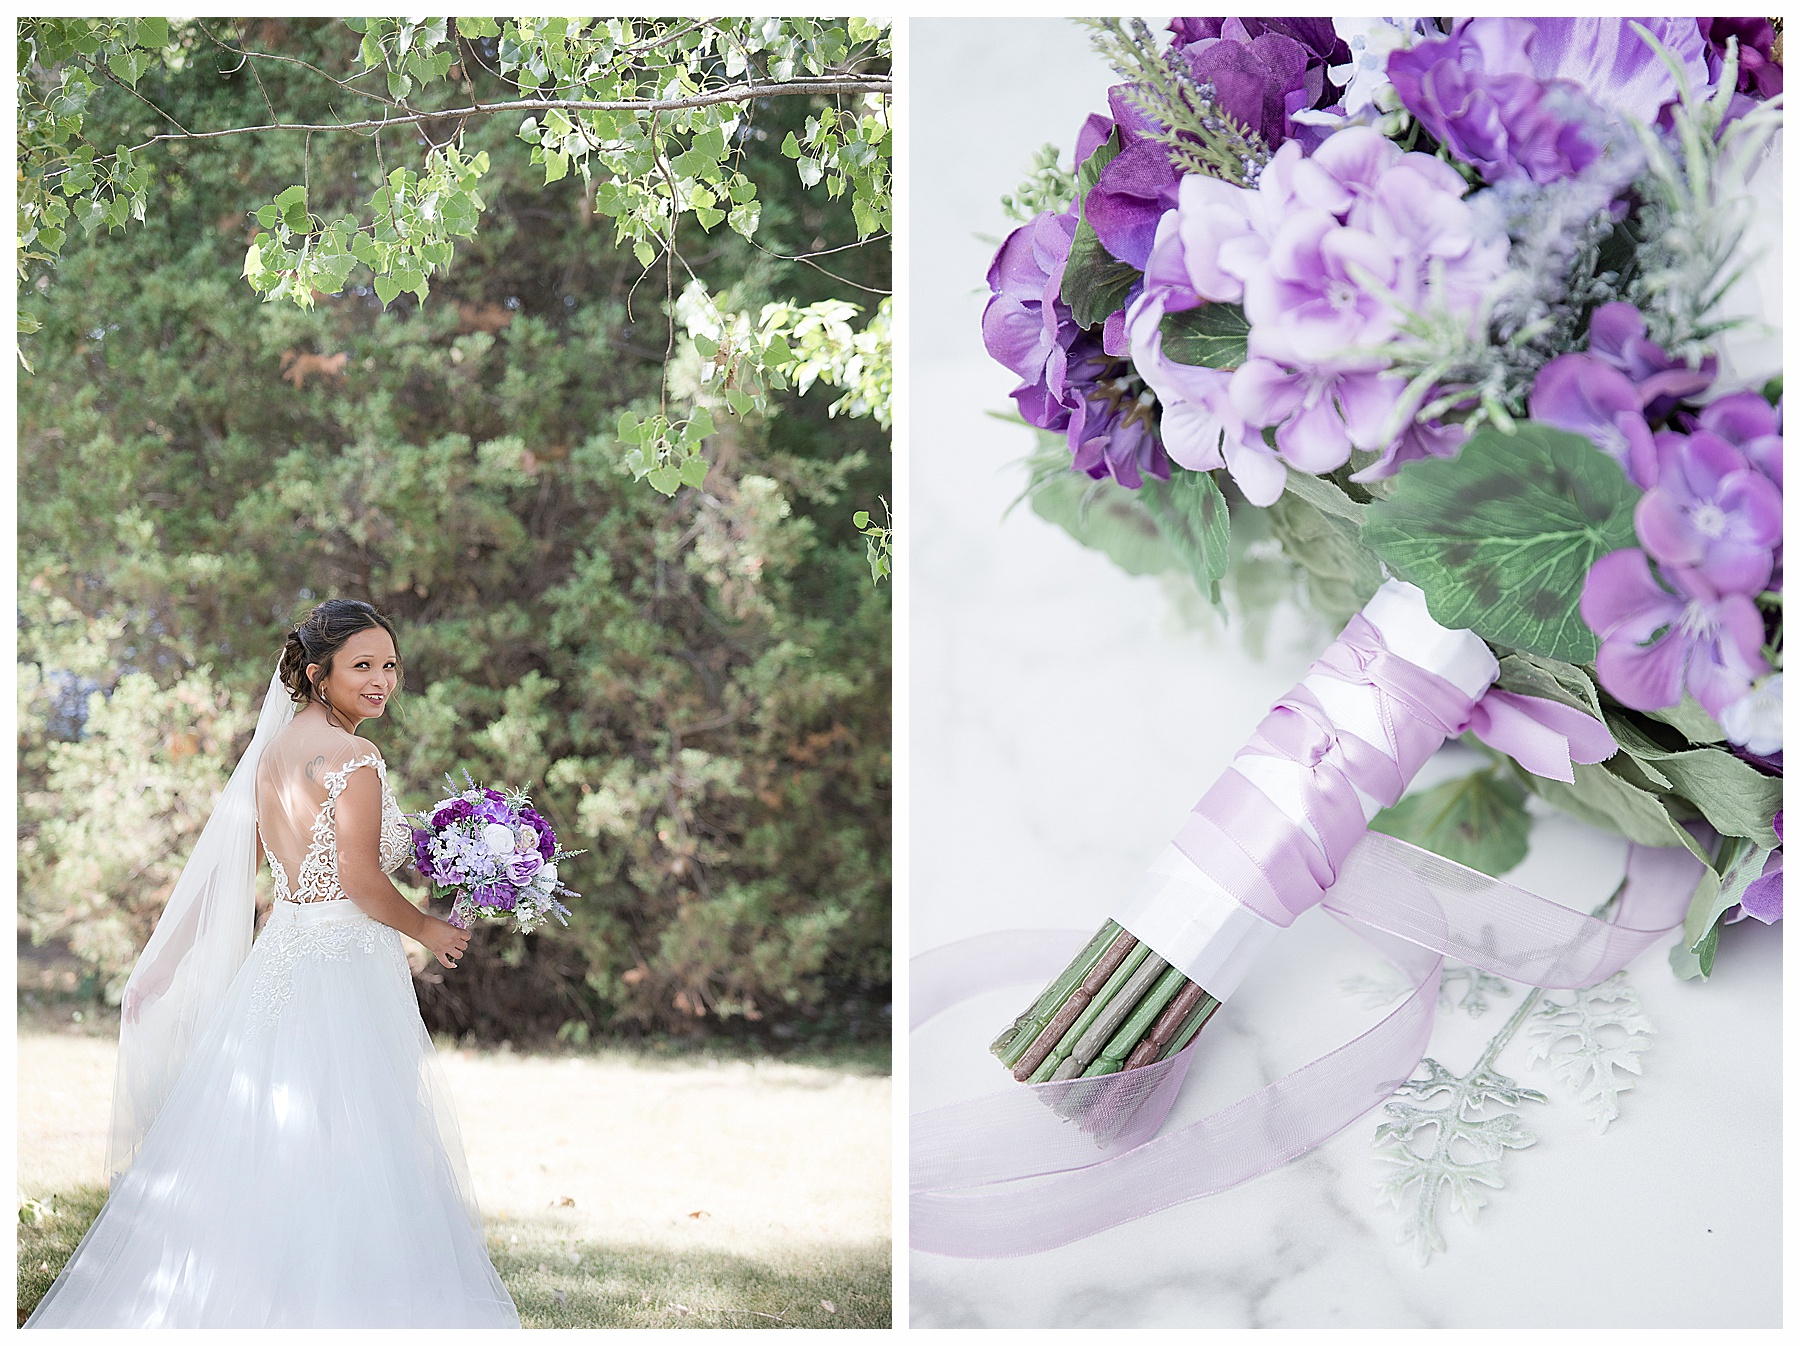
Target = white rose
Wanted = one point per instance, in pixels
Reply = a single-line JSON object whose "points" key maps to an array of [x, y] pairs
{"points": [[546, 878], [498, 839]]}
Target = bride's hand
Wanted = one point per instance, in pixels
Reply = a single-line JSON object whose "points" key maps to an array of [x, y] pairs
{"points": [[444, 940]]}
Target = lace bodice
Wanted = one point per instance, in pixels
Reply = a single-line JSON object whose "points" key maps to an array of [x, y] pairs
{"points": [[317, 880]]}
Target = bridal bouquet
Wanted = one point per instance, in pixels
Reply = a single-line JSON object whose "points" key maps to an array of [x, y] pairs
{"points": [[1484, 307], [495, 856]]}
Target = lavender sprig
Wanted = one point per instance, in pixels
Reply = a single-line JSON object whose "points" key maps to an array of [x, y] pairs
{"points": [[1200, 135]]}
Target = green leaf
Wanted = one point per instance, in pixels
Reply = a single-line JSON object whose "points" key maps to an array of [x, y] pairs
{"points": [[1107, 517], [1731, 794], [1552, 679], [1213, 335], [664, 479], [1502, 536], [1325, 495], [860, 519], [741, 402], [153, 32], [1699, 931], [1479, 821], [556, 168], [693, 471], [705, 345], [1341, 573], [1691, 719], [387, 288], [700, 424], [481, 27], [1191, 513], [1600, 797], [644, 252], [1095, 282]]}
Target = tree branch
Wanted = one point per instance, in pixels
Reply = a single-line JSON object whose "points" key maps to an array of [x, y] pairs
{"points": [[739, 93]]}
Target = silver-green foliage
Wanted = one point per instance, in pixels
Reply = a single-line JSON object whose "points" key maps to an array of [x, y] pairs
{"points": [[1592, 1042]]}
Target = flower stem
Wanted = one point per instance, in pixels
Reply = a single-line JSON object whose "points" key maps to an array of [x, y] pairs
{"points": [[1025, 1030], [1065, 1043]]}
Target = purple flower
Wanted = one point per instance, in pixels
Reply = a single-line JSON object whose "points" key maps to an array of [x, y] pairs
{"points": [[1025, 326], [498, 895], [1586, 396], [522, 867], [1420, 439], [1653, 642], [422, 851], [1603, 57], [454, 811], [1474, 91], [1747, 422], [1261, 71], [546, 836], [1712, 512], [1616, 334], [1762, 899], [1112, 426], [1758, 70], [1201, 428]]}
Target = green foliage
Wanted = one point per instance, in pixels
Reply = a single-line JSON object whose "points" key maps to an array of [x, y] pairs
{"points": [[1193, 517], [1341, 572], [1502, 536], [696, 683], [1107, 517], [1094, 282], [1478, 820], [1047, 186], [1214, 335]]}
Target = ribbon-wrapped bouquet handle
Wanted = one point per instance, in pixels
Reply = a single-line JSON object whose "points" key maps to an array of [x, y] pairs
{"points": [[1102, 1051]]}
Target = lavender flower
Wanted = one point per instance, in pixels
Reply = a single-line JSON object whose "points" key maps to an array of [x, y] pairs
{"points": [[1711, 512], [1654, 642]]}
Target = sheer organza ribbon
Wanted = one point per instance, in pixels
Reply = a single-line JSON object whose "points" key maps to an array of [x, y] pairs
{"points": [[1033, 1167]]}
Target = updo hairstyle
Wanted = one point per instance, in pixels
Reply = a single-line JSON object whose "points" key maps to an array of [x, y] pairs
{"points": [[318, 638]]}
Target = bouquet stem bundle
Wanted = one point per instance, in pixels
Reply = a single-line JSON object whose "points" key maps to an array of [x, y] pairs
{"points": [[1117, 1006]]}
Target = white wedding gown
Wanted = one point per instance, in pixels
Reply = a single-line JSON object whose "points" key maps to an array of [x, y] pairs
{"points": [[306, 1169]]}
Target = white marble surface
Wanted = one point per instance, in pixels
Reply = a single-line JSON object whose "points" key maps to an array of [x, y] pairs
{"points": [[1062, 723]]}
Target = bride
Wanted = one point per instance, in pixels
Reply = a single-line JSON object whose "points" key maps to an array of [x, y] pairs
{"points": [[284, 1150]]}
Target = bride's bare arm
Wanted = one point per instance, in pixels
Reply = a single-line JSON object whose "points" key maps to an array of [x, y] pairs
{"points": [[359, 872]]}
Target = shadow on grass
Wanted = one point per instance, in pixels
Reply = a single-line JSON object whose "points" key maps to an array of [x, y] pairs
{"points": [[560, 1281]]}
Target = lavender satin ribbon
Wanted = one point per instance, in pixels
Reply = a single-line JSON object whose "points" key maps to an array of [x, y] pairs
{"points": [[1033, 1167]]}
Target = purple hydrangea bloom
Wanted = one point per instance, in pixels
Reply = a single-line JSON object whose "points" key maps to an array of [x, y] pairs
{"points": [[1747, 422], [497, 895], [1586, 396], [1319, 253], [1654, 642], [1025, 326], [1710, 511], [1617, 335]]}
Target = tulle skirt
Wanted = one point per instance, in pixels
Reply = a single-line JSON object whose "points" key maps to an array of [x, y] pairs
{"points": [[307, 1169]]}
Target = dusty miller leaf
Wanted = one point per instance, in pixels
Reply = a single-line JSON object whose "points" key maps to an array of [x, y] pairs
{"points": [[1589, 1040], [1447, 1154]]}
